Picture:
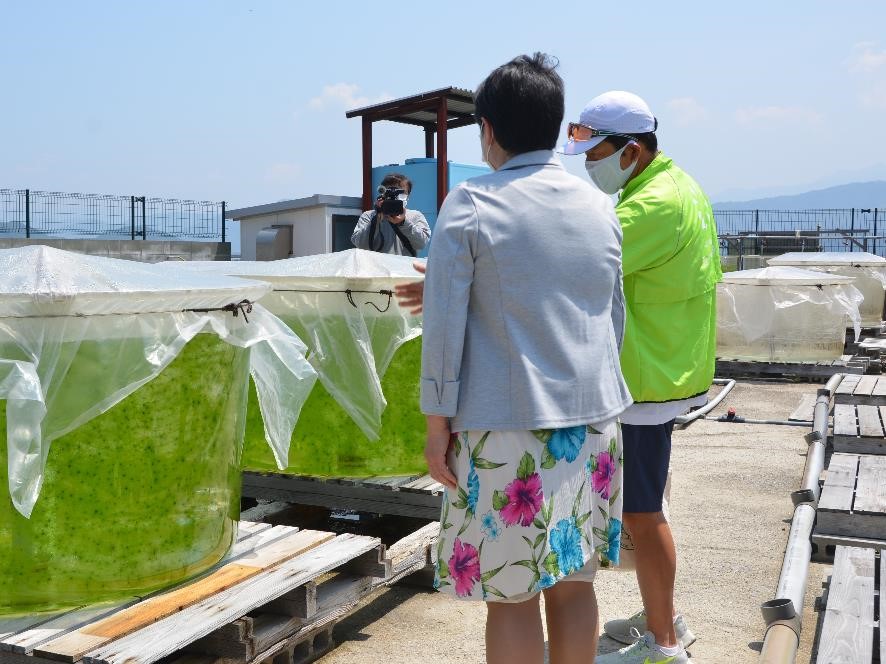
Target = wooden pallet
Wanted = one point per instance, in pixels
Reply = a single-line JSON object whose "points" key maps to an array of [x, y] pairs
{"points": [[869, 330], [853, 500], [295, 632], [873, 346], [858, 429], [812, 371], [416, 495], [271, 569], [867, 390], [848, 632]]}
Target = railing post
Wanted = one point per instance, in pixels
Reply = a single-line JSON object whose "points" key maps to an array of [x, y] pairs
{"points": [[852, 229], [223, 221], [132, 217], [144, 219], [27, 213], [757, 247], [875, 231]]}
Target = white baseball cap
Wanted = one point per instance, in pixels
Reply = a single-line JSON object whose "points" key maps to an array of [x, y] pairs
{"points": [[611, 113]]}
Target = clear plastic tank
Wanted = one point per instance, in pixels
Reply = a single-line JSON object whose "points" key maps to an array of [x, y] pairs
{"points": [[327, 442], [363, 417], [144, 495], [783, 314], [123, 390], [867, 270]]}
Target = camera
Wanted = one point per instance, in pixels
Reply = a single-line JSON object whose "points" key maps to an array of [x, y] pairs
{"points": [[392, 200]]}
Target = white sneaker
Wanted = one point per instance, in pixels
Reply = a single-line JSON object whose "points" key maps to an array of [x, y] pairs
{"points": [[621, 630], [643, 651]]}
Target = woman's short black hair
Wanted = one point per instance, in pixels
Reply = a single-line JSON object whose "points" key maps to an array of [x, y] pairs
{"points": [[523, 101], [397, 180], [648, 140]]}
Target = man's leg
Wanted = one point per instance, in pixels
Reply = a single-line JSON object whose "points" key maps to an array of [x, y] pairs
{"points": [[656, 562], [647, 453]]}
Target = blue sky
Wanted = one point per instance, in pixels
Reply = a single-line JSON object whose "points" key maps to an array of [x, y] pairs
{"points": [[245, 101]]}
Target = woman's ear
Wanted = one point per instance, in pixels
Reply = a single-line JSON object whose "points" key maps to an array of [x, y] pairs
{"points": [[486, 129]]}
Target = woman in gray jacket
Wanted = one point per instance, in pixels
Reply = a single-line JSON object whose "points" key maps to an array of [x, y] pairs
{"points": [[521, 385]]}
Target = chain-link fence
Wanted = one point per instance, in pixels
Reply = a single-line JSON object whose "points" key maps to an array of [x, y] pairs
{"points": [[771, 232], [26, 213]]}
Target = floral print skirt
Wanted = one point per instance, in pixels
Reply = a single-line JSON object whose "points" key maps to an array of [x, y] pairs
{"points": [[531, 508]]}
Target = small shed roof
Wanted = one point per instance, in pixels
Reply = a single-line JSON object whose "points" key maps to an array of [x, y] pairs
{"points": [[421, 109], [295, 204]]}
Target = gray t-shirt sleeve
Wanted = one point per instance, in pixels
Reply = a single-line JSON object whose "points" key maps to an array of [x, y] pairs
{"points": [[416, 229], [360, 236]]}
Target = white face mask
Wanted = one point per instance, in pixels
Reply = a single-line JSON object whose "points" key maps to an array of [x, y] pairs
{"points": [[608, 174]]}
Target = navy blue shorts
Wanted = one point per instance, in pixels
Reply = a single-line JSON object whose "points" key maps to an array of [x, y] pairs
{"points": [[647, 455]]}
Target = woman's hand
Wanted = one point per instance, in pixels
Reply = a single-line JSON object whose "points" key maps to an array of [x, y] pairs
{"points": [[412, 295], [436, 447]]}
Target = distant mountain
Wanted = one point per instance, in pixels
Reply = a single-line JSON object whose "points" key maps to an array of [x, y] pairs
{"points": [[854, 194]]}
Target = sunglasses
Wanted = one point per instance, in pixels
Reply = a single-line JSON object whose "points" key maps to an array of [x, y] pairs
{"points": [[578, 133]]}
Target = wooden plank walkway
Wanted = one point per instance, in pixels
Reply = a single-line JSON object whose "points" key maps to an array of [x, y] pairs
{"points": [[867, 390], [853, 500], [276, 569], [859, 429], [848, 631], [811, 371], [415, 495]]}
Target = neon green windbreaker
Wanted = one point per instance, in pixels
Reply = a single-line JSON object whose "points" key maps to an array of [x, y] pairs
{"points": [[671, 263]]}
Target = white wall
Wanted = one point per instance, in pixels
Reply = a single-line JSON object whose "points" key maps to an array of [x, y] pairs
{"points": [[248, 232], [311, 229], [309, 232]]}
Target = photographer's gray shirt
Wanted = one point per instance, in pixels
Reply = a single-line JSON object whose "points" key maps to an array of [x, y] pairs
{"points": [[415, 228], [523, 305]]}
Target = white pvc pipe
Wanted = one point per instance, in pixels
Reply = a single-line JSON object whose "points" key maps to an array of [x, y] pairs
{"points": [[683, 420], [784, 614], [795, 568]]}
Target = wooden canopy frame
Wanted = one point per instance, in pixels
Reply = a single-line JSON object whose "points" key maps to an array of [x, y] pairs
{"points": [[436, 112]]}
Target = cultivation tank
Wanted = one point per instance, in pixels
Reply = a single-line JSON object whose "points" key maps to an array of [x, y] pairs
{"points": [[867, 270], [784, 314], [123, 390], [363, 417]]}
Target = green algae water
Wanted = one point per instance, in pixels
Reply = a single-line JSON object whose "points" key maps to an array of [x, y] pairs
{"points": [[145, 495], [327, 443]]}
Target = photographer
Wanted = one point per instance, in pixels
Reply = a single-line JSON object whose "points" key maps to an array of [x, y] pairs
{"points": [[390, 228]]}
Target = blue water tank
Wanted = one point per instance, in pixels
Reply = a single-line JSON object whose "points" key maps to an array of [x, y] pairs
{"points": [[423, 173]]}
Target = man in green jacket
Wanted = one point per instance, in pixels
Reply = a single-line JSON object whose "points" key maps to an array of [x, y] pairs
{"points": [[671, 265]]}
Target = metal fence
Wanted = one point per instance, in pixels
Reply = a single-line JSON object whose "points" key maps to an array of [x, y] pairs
{"points": [[26, 213], [770, 232]]}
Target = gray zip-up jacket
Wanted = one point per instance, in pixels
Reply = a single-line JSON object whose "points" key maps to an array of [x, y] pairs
{"points": [[523, 302], [415, 228]]}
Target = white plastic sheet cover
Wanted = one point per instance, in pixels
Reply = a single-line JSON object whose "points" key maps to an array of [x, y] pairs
{"points": [[52, 301], [339, 305], [750, 300], [840, 262]]}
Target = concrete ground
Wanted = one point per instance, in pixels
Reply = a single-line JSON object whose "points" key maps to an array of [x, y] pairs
{"points": [[730, 511]]}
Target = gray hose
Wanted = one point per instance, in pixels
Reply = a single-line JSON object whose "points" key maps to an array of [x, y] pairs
{"points": [[784, 614], [683, 420], [745, 420]]}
